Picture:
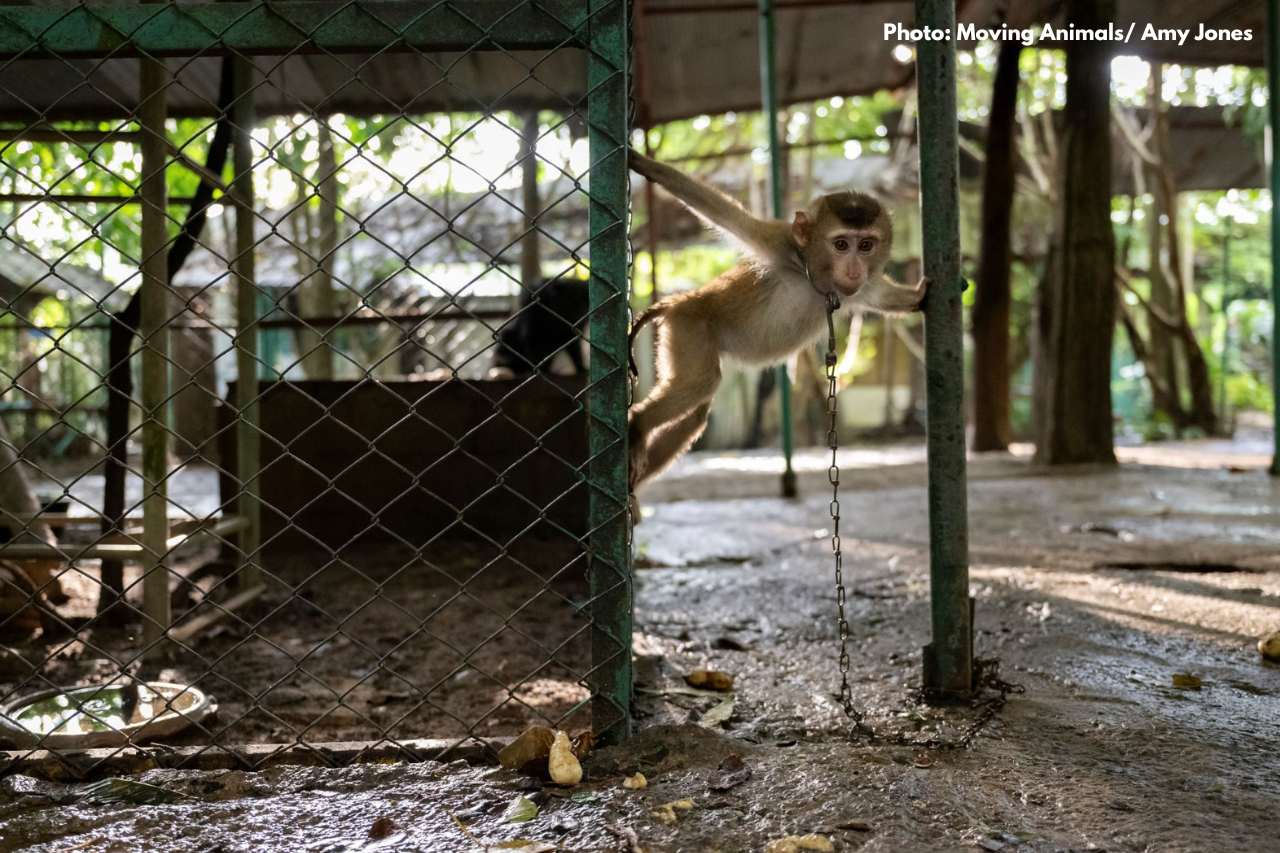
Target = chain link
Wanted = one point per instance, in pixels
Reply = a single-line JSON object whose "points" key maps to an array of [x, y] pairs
{"points": [[991, 693]]}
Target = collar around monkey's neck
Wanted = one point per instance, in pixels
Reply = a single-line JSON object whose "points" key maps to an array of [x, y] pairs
{"points": [[830, 297]]}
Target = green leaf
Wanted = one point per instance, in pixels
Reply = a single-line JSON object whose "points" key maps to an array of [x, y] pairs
{"points": [[128, 792], [520, 810]]}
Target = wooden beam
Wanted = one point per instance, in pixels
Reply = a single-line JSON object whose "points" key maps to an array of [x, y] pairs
{"points": [[221, 609], [325, 323], [80, 198], [83, 138], [98, 763], [248, 454], [287, 27], [154, 334]]}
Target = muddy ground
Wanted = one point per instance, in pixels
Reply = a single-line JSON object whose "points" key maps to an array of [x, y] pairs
{"points": [[1095, 588], [383, 642]]}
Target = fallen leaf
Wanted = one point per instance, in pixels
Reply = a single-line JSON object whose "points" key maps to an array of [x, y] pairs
{"points": [[796, 843], [532, 746], [666, 813], [462, 827], [520, 810], [127, 792], [710, 678], [676, 691], [523, 844], [718, 715], [635, 783], [733, 772], [584, 797], [1269, 647], [382, 828], [583, 742], [1186, 681]]}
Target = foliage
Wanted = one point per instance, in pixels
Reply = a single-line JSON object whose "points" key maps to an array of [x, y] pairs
{"points": [[436, 157]]}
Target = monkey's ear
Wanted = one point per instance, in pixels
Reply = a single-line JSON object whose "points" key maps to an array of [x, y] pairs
{"points": [[800, 228]]}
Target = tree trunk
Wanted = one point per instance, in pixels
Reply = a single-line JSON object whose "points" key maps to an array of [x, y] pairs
{"points": [[315, 247], [1078, 324], [530, 243], [1162, 346], [888, 373], [1172, 352], [992, 429]]}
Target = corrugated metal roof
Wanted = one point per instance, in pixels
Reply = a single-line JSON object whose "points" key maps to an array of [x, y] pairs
{"points": [[692, 58], [23, 271]]}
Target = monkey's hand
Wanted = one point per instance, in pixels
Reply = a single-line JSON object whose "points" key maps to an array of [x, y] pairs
{"points": [[888, 297], [921, 290]]}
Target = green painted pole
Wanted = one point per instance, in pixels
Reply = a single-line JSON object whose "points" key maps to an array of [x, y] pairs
{"points": [[948, 659], [769, 99], [1225, 302], [609, 548], [1273, 113]]}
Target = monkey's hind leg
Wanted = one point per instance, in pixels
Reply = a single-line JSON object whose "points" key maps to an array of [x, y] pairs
{"points": [[674, 440], [689, 373]]}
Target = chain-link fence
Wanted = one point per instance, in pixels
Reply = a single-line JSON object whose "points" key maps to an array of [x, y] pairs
{"points": [[313, 390]]}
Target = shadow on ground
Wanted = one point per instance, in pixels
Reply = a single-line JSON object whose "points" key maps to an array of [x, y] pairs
{"points": [[1095, 587]]}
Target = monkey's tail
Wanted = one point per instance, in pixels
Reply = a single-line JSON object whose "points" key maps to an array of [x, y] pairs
{"points": [[647, 316]]}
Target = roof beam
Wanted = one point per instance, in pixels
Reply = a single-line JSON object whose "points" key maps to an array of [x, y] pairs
{"points": [[288, 26]]}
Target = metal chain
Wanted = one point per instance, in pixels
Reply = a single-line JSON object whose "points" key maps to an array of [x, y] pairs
{"points": [[986, 670]]}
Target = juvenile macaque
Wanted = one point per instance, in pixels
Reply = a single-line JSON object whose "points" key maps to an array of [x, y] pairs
{"points": [[759, 312]]}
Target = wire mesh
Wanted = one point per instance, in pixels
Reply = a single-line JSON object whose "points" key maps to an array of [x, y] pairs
{"points": [[293, 455]]}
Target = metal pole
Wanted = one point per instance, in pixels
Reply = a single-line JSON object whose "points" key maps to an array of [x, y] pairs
{"points": [[768, 85], [609, 546], [1225, 303], [154, 332], [948, 659], [1273, 125], [248, 458]]}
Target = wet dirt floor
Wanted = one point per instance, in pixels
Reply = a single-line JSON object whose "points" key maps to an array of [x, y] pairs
{"points": [[1094, 588]]}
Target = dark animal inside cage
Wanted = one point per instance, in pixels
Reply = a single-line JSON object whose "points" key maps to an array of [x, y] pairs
{"points": [[549, 322]]}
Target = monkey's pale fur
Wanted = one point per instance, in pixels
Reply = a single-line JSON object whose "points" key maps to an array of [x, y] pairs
{"points": [[759, 312]]}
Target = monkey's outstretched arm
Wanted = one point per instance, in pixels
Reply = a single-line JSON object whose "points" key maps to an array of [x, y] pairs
{"points": [[763, 238], [884, 295]]}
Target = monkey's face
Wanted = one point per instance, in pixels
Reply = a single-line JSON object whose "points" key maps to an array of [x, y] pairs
{"points": [[855, 258], [844, 240]]}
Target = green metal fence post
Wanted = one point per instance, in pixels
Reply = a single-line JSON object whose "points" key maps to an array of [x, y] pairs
{"points": [[1225, 309], [1273, 114], [610, 553], [948, 659], [769, 104]]}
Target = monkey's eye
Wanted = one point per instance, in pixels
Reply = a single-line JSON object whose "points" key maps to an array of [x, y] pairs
{"points": [[840, 244], [866, 245]]}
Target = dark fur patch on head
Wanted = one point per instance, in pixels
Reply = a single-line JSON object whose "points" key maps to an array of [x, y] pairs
{"points": [[854, 209]]}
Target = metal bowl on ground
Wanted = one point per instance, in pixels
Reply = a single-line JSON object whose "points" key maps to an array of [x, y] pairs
{"points": [[103, 715]]}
